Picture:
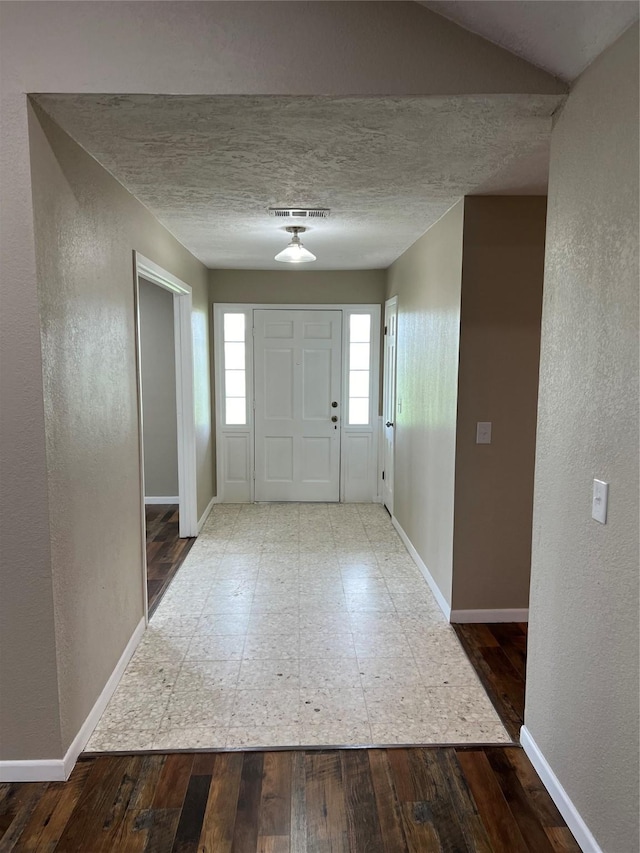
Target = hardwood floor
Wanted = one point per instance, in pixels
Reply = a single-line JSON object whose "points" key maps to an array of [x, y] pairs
{"points": [[165, 550], [498, 653], [453, 799], [460, 800]]}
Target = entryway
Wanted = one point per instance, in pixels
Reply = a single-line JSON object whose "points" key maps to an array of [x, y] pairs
{"points": [[297, 624], [297, 391]]}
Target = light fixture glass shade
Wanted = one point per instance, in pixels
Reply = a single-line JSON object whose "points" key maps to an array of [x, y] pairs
{"points": [[295, 253]]}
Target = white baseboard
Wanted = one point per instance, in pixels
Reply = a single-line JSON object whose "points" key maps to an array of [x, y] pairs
{"points": [[59, 769], [205, 515], [569, 812], [417, 559], [504, 615], [172, 499]]}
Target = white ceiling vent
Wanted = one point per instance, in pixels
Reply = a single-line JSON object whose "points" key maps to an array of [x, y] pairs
{"points": [[300, 212]]}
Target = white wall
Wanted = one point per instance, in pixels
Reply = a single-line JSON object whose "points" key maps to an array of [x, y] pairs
{"points": [[158, 374], [582, 673]]}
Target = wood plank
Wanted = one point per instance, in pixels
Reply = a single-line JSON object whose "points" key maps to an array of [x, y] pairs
{"points": [[326, 817], [162, 825], [18, 807], [387, 805], [298, 829], [562, 840], [360, 802], [98, 805], [274, 844], [275, 801], [192, 815], [460, 799], [500, 824], [245, 834], [220, 814], [173, 782], [203, 764], [52, 813], [546, 809], [415, 811], [436, 796], [520, 807]]}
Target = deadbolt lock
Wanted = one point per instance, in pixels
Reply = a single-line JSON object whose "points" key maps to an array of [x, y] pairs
{"points": [[334, 405]]}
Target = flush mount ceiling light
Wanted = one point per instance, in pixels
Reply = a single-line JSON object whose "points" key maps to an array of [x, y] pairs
{"points": [[295, 253]]}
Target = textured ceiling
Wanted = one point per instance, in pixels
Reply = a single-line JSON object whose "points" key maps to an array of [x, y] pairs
{"points": [[562, 37], [209, 167]]}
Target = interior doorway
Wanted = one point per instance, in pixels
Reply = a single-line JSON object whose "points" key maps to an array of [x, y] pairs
{"points": [[164, 368], [389, 401]]}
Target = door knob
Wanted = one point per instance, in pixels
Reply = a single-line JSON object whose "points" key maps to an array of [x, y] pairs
{"points": [[334, 419], [389, 423]]}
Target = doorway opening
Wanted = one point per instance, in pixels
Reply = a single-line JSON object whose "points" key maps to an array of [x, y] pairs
{"points": [[297, 391], [164, 368]]}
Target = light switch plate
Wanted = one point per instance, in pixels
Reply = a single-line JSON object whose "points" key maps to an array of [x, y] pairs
{"points": [[600, 501], [483, 432]]}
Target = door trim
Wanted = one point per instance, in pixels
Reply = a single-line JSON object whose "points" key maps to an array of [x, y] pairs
{"points": [[185, 411], [246, 433]]}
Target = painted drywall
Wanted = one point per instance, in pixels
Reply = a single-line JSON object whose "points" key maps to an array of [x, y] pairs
{"points": [[502, 273], [158, 375], [86, 228], [297, 286], [215, 48], [582, 673], [427, 281]]}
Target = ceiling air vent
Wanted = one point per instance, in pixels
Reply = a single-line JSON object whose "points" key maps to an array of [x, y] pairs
{"points": [[299, 212]]}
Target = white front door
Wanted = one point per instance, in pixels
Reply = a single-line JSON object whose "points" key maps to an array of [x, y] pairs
{"points": [[297, 374], [389, 399]]}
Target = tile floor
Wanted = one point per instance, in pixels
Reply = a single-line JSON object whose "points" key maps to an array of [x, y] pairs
{"points": [[297, 624]]}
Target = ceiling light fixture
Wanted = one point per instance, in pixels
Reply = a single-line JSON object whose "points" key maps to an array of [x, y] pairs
{"points": [[295, 252]]}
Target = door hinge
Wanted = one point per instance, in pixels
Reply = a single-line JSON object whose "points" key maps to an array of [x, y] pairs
{"points": [[253, 331], [383, 475], [254, 405], [253, 475], [385, 330]]}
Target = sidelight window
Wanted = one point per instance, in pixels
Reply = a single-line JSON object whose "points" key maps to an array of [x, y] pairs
{"points": [[235, 370], [359, 369]]}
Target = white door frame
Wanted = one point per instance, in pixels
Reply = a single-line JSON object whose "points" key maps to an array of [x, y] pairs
{"points": [[349, 435], [389, 388], [185, 408]]}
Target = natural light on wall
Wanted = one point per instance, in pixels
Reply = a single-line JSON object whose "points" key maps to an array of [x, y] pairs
{"points": [[235, 377], [359, 367]]}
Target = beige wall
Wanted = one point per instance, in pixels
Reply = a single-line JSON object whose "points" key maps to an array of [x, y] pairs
{"points": [[158, 373], [86, 228], [297, 286], [427, 281], [502, 271], [582, 674]]}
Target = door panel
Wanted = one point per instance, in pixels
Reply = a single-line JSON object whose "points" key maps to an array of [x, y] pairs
{"points": [[297, 370]]}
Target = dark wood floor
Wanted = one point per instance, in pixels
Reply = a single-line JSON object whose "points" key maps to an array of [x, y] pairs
{"points": [[165, 550], [348, 801], [498, 653], [440, 799]]}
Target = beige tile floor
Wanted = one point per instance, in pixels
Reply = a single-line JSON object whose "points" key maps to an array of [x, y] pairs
{"points": [[297, 624]]}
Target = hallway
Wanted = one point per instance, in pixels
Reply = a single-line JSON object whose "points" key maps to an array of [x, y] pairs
{"points": [[297, 624]]}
